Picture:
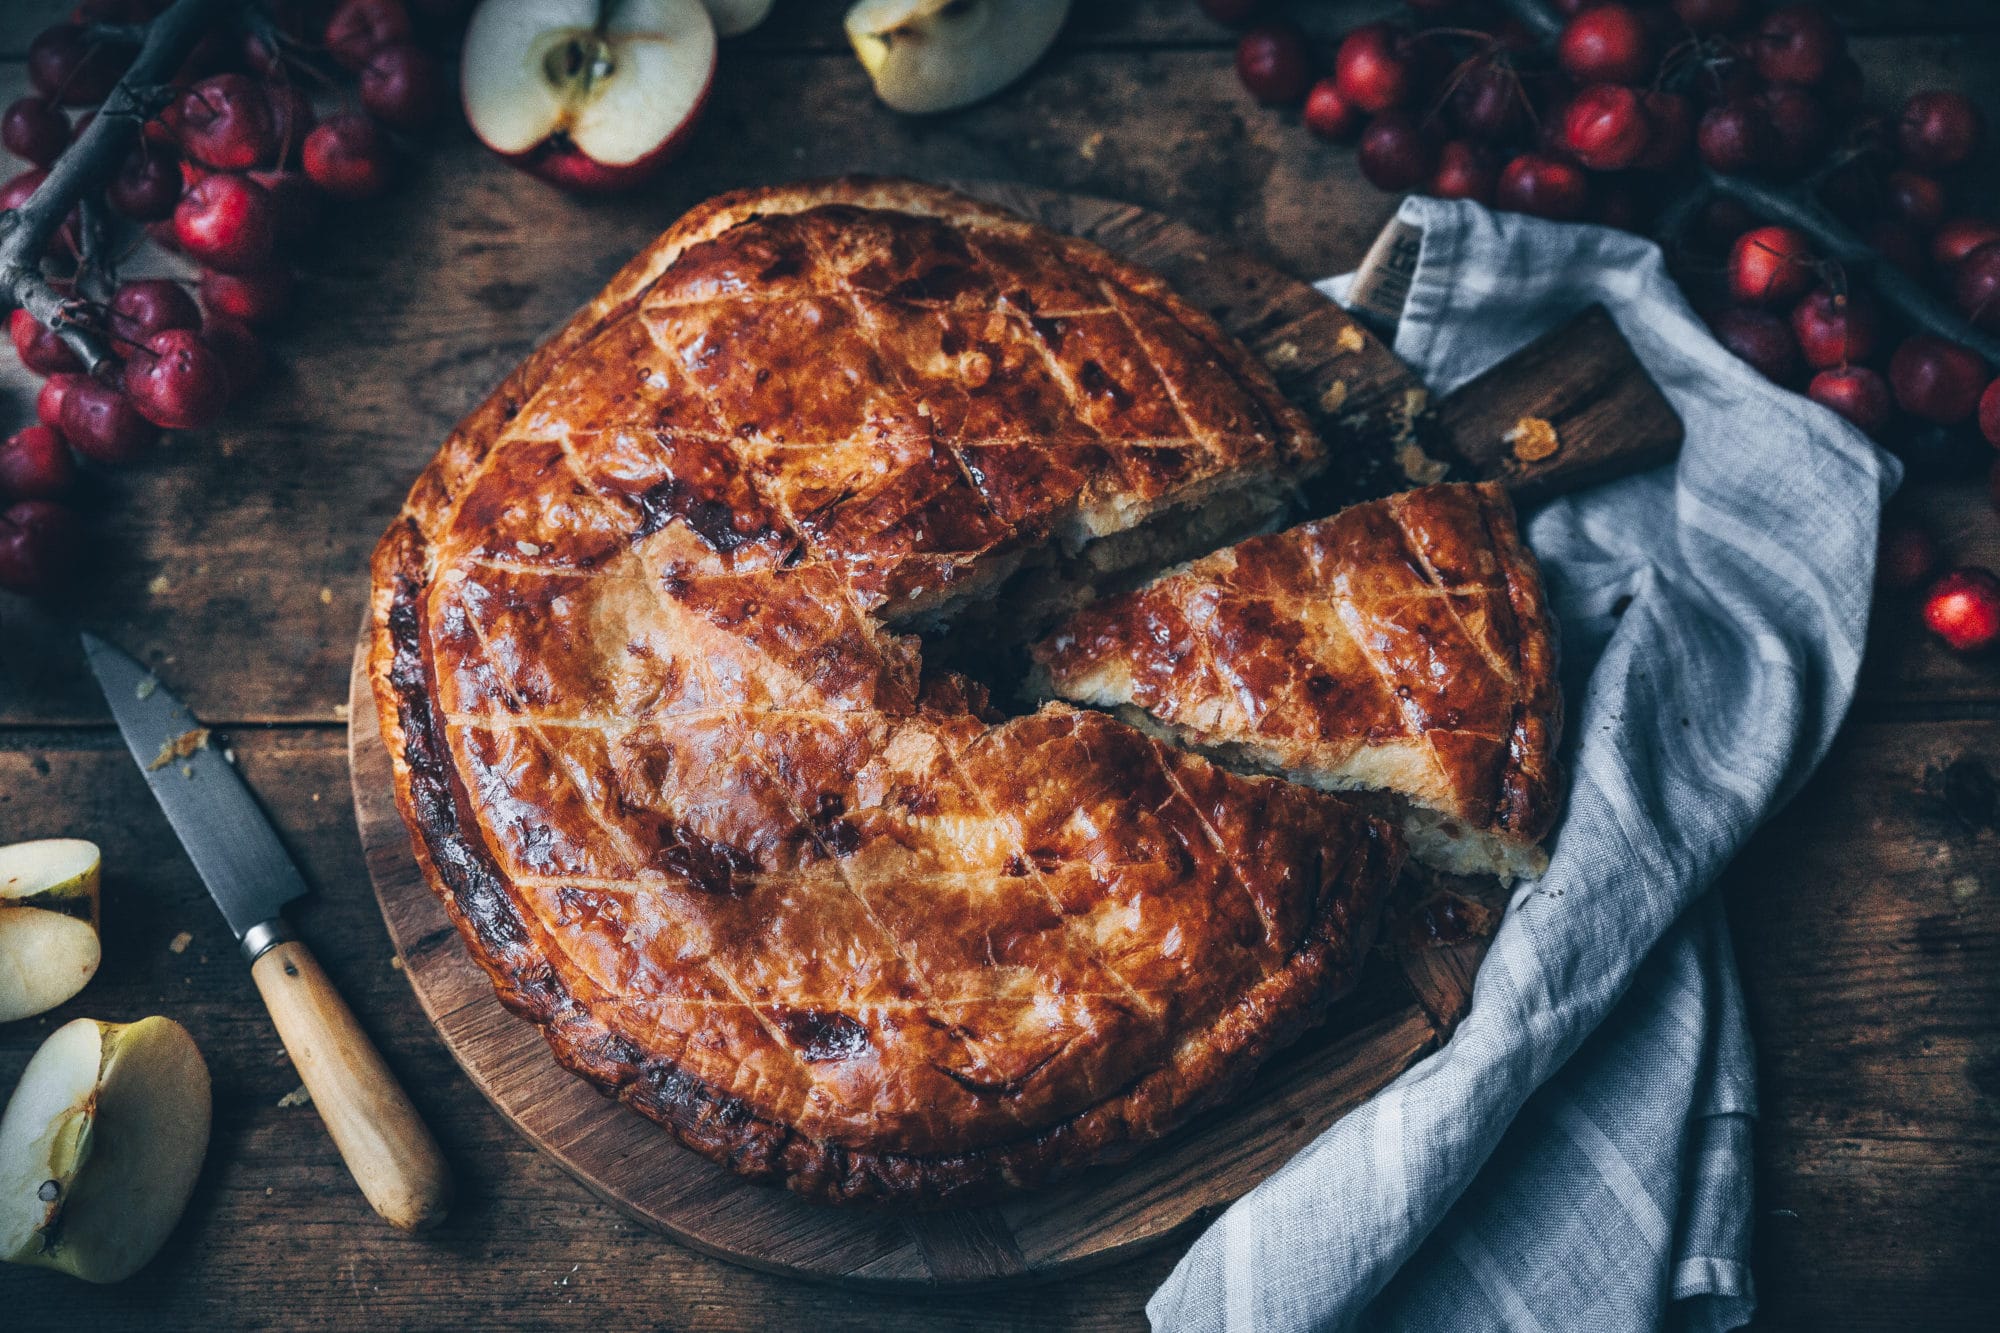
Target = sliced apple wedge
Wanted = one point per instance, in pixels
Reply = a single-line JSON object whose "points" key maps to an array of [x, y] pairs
{"points": [[937, 55], [48, 924], [587, 96], [733, 18], [100, 1146]]}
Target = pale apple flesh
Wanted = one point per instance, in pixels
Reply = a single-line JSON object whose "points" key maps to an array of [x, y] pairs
{"points": [[100, 1146], [587, 101], [49, 948], [927, 56], [733, 18]]}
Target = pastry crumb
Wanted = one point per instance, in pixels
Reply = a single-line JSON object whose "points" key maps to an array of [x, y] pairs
{"points": [[395, 962], [527, 548], [340, 711], [180, 747], [180, 942], [1533, 439], [1351, 339], [326, 597], [159, 587], [1088, 149], [146, 688], [1334, 398], [1418, 466], [1284, 354], [296, 1097]]}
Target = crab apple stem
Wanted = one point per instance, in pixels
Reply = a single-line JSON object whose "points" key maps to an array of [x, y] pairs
{"points": [[25, 231], [115, 34], [1835, 241]]}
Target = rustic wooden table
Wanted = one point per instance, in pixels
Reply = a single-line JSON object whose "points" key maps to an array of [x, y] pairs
{"points": [[1867, 915]]}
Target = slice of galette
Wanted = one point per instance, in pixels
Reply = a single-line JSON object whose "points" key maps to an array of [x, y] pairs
{"points": [[1402, 647]]}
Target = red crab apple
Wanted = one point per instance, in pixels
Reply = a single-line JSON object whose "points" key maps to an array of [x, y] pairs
{"points": [[1936, 380], [348, 156], [101, 424], [1906, 554], [1960, 237], [35, 465], [1329, 114], [587, 105], [1836, 327], [1857, 393], [39, 541], [1963, 609], [175, 381], [48, 402], [1771, 266], [40, 348]]}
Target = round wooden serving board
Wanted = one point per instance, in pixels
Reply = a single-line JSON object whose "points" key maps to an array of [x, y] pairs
{"points": [[1401, 1011]]}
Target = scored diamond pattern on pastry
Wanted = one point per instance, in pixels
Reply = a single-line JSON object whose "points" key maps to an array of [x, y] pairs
{"points": [[827, 915], [1401, 646]]}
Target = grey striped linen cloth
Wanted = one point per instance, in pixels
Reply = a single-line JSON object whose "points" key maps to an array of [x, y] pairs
{"points": [[1577, 1157]]}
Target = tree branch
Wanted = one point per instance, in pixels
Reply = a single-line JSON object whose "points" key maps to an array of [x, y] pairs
{"points": [[1799, 206], [25, 232], [1833, 239], [1536, 17]]}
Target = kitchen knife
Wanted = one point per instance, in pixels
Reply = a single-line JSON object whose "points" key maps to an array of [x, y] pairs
{"points": [[385, 1144]]}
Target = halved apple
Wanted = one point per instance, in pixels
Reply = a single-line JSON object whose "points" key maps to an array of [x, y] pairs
{"points": [[733, 18], [588, 96], [936, 55], [48, 924], [100, 1146]]}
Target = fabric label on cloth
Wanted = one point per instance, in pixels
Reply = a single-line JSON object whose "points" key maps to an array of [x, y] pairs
{"points": [[1382, 283]]}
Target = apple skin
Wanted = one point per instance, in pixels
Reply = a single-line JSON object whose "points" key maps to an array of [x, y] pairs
{"points": [[563, 165], [573, 94], [100, 1146]]}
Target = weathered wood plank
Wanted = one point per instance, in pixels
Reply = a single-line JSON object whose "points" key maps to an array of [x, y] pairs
{"points": [[1904, 662], [1868, 919], [411, 309], [1883, 1236], [815, 25], [240, 555], [277, 1235]]}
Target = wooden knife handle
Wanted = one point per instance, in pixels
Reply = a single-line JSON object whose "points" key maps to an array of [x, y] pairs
{"points": [[385, 1144]]}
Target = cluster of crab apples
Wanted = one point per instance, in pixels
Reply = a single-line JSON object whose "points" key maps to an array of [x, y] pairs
{"points": [[1621, 113], [283, 106], [235, 172]]}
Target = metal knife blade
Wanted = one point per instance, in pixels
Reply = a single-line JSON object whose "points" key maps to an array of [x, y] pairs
{"points": [[226, 833]]}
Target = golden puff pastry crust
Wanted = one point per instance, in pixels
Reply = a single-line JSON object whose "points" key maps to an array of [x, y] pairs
{"points": [[693, 801], [1401, 646]]}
